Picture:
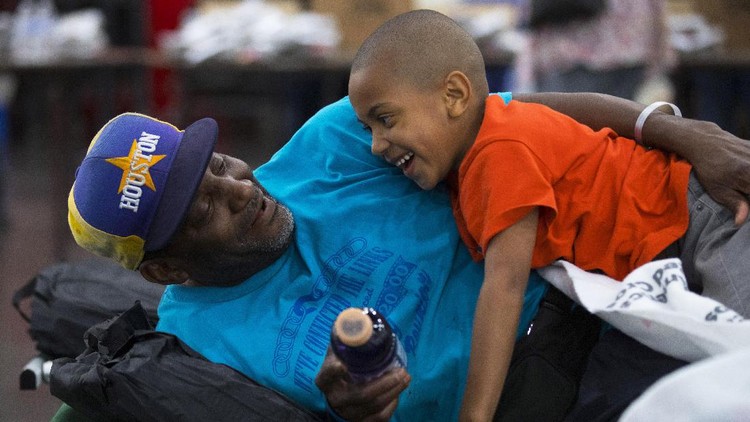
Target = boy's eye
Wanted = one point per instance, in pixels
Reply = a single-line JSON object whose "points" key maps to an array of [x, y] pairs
{"points": [[386, 120], [366, 128]]}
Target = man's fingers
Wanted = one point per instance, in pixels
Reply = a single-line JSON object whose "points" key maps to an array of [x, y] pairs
{"points": [[331, 372], [735, 201], [387, 388], [741, 212], [384, 415], [377, 393], [373, 398]]}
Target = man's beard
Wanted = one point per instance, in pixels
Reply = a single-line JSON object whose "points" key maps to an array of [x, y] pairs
{"points": [[234, 266]]}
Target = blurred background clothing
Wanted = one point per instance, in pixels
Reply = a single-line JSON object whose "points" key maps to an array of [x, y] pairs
{"points": [[615, 52], [720, 92]]}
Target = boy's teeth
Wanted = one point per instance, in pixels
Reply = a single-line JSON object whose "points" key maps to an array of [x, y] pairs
{"points": [[404, 159]]}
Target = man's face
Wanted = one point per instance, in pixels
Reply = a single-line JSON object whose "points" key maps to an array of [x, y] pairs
{"points": [[233, 228], [410, 126]]}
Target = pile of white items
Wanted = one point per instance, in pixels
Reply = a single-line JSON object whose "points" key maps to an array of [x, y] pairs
{"points": [[250, 30], [653, 305], [39, 35]]}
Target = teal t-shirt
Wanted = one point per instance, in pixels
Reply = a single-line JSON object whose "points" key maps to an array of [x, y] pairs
{"points": [[365, 236]]}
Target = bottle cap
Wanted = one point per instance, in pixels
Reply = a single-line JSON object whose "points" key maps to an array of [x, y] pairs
{"points": [[353, 327]]}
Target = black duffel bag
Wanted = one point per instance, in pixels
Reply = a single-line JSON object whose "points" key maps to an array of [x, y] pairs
{"points": [[129, 372], [64, 300], [549, 361]]}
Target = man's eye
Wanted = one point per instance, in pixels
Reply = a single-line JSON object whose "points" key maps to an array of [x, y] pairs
{"points": [[366, 128], [219, 166]]}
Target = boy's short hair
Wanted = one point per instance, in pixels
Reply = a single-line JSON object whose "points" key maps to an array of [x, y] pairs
{"points": [[135, 185], [424, 46]]}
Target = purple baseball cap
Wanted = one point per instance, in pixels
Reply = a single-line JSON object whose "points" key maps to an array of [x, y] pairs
{"points": [[134, 188]]}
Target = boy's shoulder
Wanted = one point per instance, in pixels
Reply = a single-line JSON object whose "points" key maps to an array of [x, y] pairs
{"points": [[513, 110], [529, 123]]}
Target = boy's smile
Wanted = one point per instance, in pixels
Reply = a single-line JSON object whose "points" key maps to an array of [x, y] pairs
{"points": [[404, 161]]}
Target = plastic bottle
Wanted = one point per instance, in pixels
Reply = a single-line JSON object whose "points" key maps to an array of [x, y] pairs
{"points": [[365, 342]]}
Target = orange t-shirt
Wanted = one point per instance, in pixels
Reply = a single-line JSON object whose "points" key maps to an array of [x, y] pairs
{"points": [[604, 202]]}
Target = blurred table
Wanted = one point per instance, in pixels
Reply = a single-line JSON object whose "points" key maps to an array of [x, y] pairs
{"points": [[716, 59], [59, 106], [259, 105]]}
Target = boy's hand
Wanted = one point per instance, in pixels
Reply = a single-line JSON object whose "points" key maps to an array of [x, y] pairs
{"points": [[373, 401]]}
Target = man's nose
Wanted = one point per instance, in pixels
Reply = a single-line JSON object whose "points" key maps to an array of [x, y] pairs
{"points": [[379, 144], [239, 192]]}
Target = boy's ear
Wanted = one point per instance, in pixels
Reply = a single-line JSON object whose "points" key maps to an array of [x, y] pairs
{"points": [[161, 271], [457, 93]]}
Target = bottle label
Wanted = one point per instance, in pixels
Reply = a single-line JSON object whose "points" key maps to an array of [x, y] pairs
{"points": [[399, 361]]}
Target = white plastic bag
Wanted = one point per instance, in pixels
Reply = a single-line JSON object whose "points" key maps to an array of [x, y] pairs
{"points": [[654, 306], [715, 389]]}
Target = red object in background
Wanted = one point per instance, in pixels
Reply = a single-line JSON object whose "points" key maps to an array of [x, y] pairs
{"points": [[164, 15]]}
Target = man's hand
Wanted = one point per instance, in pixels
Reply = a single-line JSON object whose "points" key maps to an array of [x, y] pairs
{"points": [[723, 166], [371, 402]]}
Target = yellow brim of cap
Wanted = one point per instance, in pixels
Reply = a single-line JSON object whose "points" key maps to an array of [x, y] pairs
{"points": [[128, 251]]}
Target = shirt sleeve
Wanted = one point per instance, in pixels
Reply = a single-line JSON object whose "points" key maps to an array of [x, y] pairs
{"points": [[499, 185]]}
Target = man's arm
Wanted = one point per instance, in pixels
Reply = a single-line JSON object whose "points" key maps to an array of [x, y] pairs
{"points": [[720, 159]]}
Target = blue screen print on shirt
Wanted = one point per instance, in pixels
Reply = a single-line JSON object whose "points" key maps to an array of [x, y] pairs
{"points": [[365, 236]]}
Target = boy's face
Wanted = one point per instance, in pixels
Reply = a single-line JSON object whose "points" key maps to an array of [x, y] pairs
{"points": [[411, 127]]}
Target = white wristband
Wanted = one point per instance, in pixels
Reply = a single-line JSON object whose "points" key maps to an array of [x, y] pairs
{"points": [[638, 132]]}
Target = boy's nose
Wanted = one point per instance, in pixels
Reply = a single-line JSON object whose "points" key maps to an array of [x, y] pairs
{"points": [[379, 144]]}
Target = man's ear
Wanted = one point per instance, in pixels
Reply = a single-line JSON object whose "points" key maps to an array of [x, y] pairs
{"points": [[457, 92], [161, 271]]}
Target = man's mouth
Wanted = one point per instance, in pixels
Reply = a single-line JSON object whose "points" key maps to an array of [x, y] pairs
{"points": [[264, 204], [401, 163]]}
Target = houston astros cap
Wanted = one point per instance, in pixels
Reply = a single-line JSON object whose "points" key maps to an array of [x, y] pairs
{"points": [[134, 187]]}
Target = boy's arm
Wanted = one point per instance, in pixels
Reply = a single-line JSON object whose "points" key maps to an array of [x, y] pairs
{"points": [[720, 159], [506, 270]]}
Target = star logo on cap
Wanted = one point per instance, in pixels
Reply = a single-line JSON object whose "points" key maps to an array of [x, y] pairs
{"points": [[136, 163]]}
